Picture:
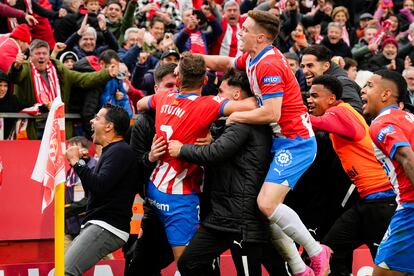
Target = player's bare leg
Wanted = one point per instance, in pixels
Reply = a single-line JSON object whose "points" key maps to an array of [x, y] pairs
{"points": [[286, 226], [379, 271]]}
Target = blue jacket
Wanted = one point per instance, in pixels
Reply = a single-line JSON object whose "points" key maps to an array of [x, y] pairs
{"points": [[108, 95]]}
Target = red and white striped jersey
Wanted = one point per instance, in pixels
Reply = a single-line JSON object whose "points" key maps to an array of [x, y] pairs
{"points": [[227, 43], [391, 129], [270, 76], [184, 118]]}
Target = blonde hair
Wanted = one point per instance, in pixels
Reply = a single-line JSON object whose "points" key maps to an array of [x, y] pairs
{"points": [[340, 9]]}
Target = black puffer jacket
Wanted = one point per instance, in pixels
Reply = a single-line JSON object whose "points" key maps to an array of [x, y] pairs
{"points": [[236, 166], [142, 134]]}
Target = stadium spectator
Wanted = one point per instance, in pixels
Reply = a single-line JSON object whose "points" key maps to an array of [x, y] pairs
{"points": [[387, 57], [30, 87], [17, 42], [316, 61]]}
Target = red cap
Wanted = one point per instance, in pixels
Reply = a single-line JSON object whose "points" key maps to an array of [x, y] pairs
{"points": [[22, 32]]}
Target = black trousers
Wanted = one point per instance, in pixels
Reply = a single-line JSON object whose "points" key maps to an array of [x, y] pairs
{"points": [[364, 223], [207, 244], [151, 252]]}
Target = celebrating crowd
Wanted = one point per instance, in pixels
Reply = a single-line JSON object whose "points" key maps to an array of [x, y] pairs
{"points": [[243, 125]]}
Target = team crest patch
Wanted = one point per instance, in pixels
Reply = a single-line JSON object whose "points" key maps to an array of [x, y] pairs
{"points": [[384, 132], [283, 158], [271, 79]]}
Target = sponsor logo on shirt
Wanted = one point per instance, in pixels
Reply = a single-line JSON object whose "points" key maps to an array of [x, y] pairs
{"points": [[271, 79], [384, 132], [159, 206]]}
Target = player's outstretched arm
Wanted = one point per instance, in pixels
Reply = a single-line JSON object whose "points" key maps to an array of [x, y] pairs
{"points": [[242, 105], [405, 156], [142, 105], [268, 113], [218, 63]]}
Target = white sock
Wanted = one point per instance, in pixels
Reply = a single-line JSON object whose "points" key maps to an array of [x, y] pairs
{"points": [[290, 223], [287, 249]]}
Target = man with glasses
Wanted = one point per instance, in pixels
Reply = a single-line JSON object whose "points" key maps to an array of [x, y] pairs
{"points": [[408, 75]]}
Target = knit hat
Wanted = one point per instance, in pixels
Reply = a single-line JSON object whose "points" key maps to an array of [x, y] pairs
{"points": [[389, 40], [68, 55], [3, 76], [22, 32]]}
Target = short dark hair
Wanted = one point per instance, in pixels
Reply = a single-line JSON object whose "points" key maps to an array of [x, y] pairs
{"points": [[238, 79], [155, 20], [4, 77], [349, 62], [320, 52], [192, 70], [163, 70], [200, 16], [330, 83], [289, 55], [114, 2], [267, 21], [107, 55], [119, 117], [397, 79], [79, 140]]}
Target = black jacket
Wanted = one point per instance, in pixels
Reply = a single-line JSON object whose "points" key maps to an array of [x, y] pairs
{"points": [[339, 49], [351, 89], [237, 163], [379, 61], [10, 103], [111, 186], [72, 22], [142, 134]]}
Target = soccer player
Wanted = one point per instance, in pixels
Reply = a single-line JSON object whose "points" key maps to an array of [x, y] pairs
{"points": [[236, 164], [392, 131], [183, 116], [294, 146], [367, 220]]}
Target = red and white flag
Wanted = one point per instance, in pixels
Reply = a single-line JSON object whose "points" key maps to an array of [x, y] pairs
{"points": [[50, 164]]}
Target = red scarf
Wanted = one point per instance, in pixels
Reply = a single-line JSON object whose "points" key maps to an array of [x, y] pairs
{"points": [[44, 92]]}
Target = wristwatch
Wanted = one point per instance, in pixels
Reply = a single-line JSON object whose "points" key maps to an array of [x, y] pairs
{"points": [[80, 164]]}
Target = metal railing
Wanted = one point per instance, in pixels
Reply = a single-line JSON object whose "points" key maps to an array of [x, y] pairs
{"points": [[41, 116]]}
